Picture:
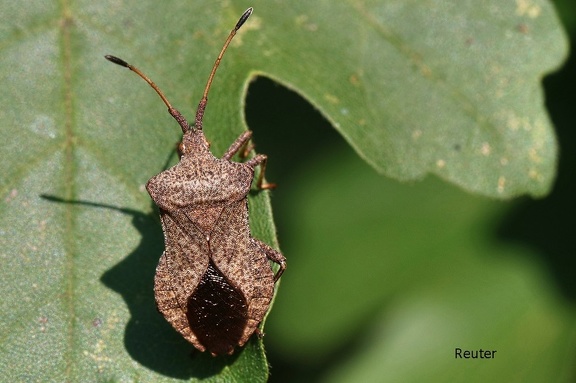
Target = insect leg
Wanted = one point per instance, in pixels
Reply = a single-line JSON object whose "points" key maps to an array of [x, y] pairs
{"points": [[260, 159], [272, 255], [237, 145]]}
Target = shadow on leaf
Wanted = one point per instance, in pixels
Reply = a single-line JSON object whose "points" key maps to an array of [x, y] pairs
{"points": [[148, 338]]}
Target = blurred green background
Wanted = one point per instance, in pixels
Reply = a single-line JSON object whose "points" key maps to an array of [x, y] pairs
{"points": [[386, 279]]}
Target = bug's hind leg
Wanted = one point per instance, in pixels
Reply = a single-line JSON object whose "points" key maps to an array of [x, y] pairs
{"points": [[273, 255]]}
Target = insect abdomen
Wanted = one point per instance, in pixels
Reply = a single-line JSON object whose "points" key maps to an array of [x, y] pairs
{"points": [[217, 312]]}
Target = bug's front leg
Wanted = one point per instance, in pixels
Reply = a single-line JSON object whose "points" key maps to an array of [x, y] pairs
{"points": [[238, 144], [241, 143]]}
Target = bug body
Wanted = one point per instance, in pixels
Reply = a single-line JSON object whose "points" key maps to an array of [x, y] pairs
{"points": [[212, 266], [214, 282]]}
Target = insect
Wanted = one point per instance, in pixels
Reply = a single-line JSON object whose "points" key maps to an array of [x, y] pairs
{"points": [[214, 282]]}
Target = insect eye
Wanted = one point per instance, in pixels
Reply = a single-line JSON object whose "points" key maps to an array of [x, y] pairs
{"points": [[181, 149]]}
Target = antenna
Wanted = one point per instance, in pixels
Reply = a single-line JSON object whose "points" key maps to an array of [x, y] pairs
{"points": [[204, 100], [202, 105]]}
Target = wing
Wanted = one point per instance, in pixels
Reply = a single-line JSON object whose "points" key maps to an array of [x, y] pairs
{"points": [[179, 272], [243, 263], [214, 283]]}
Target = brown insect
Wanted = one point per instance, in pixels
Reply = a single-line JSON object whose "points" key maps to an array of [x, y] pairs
{"points": [[214, 282]]}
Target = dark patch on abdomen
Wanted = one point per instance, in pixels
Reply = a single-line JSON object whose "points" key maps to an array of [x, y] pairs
{"points": [[217, 312]]}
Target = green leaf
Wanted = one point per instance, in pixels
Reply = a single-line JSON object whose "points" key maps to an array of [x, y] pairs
{"points": [[80, 238], [458, 95], [444, 87]]}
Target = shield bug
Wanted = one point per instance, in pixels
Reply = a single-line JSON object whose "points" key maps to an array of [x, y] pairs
{"points": [[214, 282]]}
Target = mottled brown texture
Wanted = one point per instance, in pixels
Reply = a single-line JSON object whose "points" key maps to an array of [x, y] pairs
{"points": [[214, 282], [211, 266]]}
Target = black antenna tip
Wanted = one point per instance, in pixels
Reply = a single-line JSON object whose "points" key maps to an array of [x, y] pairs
{"points": [[116, 60], [244, 17]]}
